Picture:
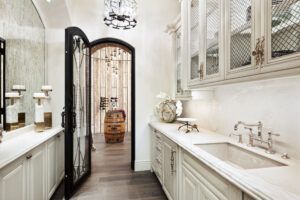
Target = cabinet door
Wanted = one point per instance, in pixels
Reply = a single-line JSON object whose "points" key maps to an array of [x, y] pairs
{"points": [[51, 166], [189, 185], [179, 78], [241, 32], [194, 42], [169, 168], [36, 173], [212, 53], [282, 32], [60, 156], [13, 181]]}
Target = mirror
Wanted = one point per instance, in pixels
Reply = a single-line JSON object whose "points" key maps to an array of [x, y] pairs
{"points": [[24, 33]]}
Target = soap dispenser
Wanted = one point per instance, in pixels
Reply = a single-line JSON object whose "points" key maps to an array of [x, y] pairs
{"points": [[47, 107], [39, 112], [12, 111], [21, 112]]}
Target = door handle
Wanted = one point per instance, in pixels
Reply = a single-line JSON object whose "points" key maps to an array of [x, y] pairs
{"points": [[63, 114]]}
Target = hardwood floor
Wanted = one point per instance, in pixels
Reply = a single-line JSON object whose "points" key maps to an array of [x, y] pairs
{"points": [[112, 178]]}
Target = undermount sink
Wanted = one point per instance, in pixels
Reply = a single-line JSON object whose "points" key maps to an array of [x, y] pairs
{"points": [[238, 157]]}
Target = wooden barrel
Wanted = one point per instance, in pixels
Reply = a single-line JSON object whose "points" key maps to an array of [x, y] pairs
{"points": [[114, 126]]}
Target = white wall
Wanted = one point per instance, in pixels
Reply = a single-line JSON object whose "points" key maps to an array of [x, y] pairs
{"points": [[274, 102], [153, 58]]}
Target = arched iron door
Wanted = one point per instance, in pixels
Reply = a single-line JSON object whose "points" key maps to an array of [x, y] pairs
{"points": [[77, 109]]}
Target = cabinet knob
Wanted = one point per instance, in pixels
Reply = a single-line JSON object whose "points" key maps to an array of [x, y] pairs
{"points": [[28, 157], [58, 136]]}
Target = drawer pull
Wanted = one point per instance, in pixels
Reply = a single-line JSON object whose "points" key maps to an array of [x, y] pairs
{"points": [[28, 157]]}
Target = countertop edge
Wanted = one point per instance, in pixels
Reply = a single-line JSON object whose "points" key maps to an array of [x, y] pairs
{"points": [[48, 134]]}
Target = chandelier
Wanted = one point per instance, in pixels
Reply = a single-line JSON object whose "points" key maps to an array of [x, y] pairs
{"points": [[120, 14]]}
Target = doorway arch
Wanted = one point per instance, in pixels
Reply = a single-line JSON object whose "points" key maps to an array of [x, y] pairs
{"points": [[119, 42]]}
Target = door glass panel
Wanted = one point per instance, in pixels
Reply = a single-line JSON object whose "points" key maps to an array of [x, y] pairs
{"points": [[212, 34], [240, 35], [80, 108], [285, 38], [194, 37]]}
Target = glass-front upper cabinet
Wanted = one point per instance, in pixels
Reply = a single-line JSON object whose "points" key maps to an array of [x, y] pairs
{"points": [[282, 33], [178, 49], [213, 40], [206, 41], [194, 14], [240, 40]]}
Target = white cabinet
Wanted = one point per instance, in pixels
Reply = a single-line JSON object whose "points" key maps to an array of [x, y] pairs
{"points": [[60, 157], [51, 166], [157, 155], [13, 180], [238, 40], [36, 173], [241, 32], [203, 182], [190, 185], [170, 168]]}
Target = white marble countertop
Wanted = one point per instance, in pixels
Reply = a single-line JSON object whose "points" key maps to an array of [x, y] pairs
{"points": [[282, 183], [19, 142]]}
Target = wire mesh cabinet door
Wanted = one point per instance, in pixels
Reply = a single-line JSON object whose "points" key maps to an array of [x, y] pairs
{"points": [[242, 32], [194, 73], [212, 55], [77, 110], [282, 33]]}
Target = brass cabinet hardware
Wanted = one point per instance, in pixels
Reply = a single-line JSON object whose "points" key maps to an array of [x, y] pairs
{"points": [[259, 51], [173, 170], [201, 71], [28, 157]]}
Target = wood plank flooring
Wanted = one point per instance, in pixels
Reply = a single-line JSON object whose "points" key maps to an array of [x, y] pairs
{"points": [[112, 178]]}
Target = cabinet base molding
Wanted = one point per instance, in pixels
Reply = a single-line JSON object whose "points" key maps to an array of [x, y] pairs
{"points": [[142, 165]]}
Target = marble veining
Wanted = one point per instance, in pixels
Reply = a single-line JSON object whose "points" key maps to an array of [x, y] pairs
{"points": [[255, 182]]}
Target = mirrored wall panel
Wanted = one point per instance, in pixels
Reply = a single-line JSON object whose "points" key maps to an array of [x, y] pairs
{"points": [[24, 32]]}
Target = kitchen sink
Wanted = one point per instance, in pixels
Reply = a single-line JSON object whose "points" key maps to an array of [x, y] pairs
{"points": [[238, 157]]}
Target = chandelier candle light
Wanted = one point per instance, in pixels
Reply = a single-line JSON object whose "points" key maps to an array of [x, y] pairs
{"points": [[120, 14]]}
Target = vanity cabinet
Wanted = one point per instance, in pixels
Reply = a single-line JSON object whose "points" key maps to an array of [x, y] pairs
{"points": [[35, 175], [157, 155], [239, 40]]}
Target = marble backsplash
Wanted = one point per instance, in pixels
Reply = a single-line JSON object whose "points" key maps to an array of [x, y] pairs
{"points": [[275, 102], [24, 32]]}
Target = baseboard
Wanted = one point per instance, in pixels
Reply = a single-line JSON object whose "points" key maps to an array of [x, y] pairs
{"points": [[142, 165]]}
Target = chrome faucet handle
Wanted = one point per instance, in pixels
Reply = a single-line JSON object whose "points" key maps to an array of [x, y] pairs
{"points": [[238, 135], [275, 134]]}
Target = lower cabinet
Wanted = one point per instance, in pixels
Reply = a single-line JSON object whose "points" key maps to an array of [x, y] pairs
{"points": [[170, 168], [35, 175], [184, 177], [13, 180], [201, 183]]}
